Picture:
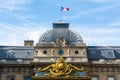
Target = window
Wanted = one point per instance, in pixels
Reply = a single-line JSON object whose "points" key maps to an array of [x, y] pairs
{"points": [[76, 51], [111, 78], [27, 78], [10, 78], [60, 52], [44, 52], [94, 78]]}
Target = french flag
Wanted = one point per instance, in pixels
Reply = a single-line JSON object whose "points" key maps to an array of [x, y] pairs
{"points": [[64, 9]]}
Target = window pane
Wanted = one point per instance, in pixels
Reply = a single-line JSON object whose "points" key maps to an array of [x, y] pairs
{"points": [[94, 78], [27, 78], [111, 78], [10, 78]]}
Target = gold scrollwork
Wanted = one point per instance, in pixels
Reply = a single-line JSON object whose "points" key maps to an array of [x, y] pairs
{"points": [[60, 68]]}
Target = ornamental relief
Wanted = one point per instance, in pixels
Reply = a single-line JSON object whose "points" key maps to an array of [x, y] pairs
{"points": [[60, 68], [61, 42]]}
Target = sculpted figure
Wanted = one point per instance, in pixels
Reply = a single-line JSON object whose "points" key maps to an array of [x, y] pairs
{"points": [[61, 41]]}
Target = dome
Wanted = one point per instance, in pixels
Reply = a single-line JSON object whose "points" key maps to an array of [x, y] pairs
{"points": [[60, 32]]}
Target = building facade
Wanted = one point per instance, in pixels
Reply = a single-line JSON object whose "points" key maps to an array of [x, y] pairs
{"points": [[21, 62]]}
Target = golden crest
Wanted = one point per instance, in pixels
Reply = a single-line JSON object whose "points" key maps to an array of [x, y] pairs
{"points": [[60, 68]]}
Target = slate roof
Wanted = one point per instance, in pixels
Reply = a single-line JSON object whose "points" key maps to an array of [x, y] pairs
{"points": [[16, 52], [93, 52], [60, 30], [103, 52]]}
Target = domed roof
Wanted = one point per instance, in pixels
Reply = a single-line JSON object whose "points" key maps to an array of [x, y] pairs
{"points": [[60, 32]]}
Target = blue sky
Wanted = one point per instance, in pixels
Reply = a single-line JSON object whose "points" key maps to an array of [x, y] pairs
{"points": [[97, 21]]}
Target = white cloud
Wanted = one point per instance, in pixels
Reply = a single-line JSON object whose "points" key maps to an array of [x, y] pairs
{"points": [[115, 24], [94, 10], [15, 35], [107, 30], [15, 9], [101, 36], [102, 41], [13, 4], [87, 12]]}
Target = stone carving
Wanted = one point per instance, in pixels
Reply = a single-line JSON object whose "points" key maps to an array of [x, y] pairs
{"points": [[61, 41], [52, 52], [68, 51]]}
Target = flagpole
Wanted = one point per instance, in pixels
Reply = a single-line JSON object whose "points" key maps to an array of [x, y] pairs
{"points": [[61, 14]]}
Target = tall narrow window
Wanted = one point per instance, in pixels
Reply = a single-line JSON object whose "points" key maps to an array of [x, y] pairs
{"points": [[95, 78], [111, 78]]}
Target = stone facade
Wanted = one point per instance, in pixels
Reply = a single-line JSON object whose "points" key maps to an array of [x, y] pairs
{"points": [[16, 72], [20, 63], [104, 71]]}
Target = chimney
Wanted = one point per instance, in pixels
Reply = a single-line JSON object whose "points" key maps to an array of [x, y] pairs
{"points": [[28, 43]]}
